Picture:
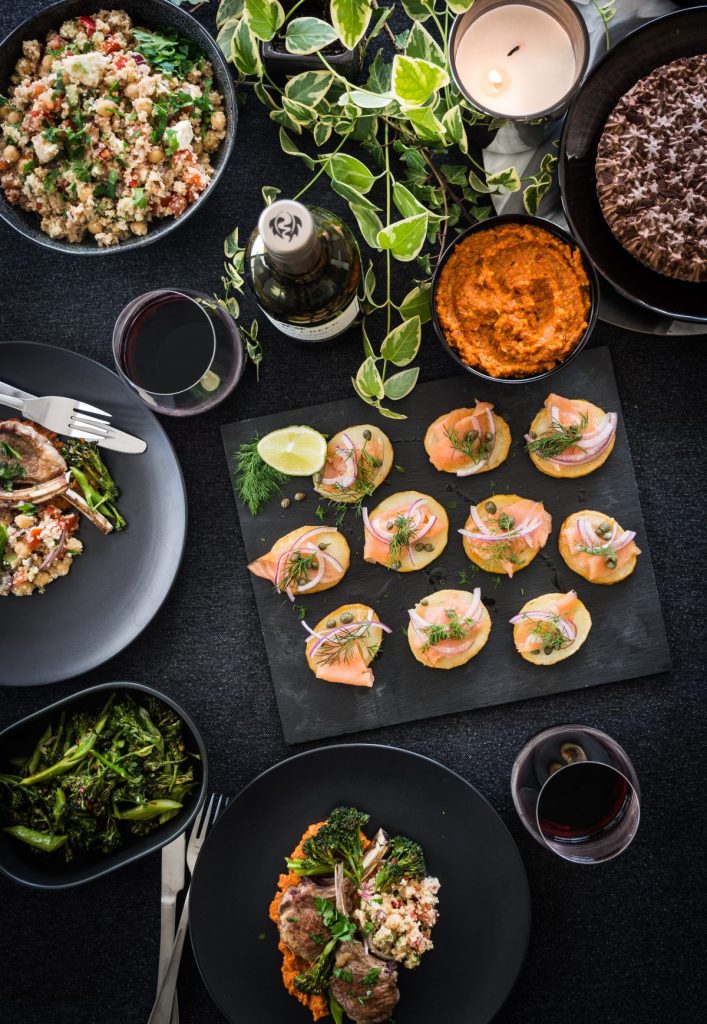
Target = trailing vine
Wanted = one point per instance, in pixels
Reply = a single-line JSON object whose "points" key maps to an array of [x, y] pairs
{"points": [[398, 148]]}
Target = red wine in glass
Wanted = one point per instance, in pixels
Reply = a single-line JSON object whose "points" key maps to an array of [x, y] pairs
{"points": [[576, 792], [179, 350]]}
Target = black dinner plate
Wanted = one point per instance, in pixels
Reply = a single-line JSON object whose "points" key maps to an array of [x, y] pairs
{"points": [[482, 934], [681, 34], [120, 581]]}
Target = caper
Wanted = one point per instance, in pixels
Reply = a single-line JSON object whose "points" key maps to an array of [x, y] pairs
{"points": [[572, 752], [419, 546], [366, 435], [554, 766], [331, 624], [547, 650], [611, 561], [490, 507], [346, 617], [395, 565], [472, 435], [389, 526], [532, 435], [488, 436], [429, 547], [285, 503], [317, 478], [300, 496], [322, 546], [315, 564], [603, 528], [424, 602]]}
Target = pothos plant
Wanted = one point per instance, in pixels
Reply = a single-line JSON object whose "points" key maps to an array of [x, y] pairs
{"points": [[397, 148]]}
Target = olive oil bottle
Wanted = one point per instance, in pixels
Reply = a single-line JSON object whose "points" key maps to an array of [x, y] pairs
{"points": [[304, 268]]}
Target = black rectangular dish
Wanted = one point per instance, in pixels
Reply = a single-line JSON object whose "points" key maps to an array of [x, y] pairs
{"points": [[50, 870], [628, 635]]}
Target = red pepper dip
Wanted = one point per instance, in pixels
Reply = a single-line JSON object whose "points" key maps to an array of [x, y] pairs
{"points": [[513, 300]]}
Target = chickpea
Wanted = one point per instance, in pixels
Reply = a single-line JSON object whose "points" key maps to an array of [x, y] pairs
{"points": [[94, 227], [105, 107], [156, 155], [218, 120], [14, 117], [11, 154], [46, 65], [138, 227], [132, 91]]}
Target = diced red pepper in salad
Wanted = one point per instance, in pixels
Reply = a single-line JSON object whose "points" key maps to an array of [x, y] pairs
{"points": [[87, 23]]}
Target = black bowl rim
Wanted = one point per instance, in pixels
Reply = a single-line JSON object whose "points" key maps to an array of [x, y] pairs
{"points": [[211, 47], [628, 40], [139, 850], [553, 229]]}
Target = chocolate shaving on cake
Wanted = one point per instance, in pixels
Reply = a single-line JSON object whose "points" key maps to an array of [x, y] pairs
{"points": [[651, 170]]}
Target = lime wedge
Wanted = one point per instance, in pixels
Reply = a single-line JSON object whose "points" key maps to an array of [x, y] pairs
{"points": [[295, 451]]}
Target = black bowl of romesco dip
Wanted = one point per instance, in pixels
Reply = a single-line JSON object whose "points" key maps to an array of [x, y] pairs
{"points": [[514, 298]]}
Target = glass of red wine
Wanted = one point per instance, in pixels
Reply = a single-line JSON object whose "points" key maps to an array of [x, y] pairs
{"points": [[576, 792], [180, 351]]}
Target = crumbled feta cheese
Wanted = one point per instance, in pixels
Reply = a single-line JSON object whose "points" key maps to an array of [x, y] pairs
{"points": [[87, 68], [45, 151], [184, 133]]}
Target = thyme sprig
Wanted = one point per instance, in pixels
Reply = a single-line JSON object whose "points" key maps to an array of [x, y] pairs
{"points": [[556, 441]]}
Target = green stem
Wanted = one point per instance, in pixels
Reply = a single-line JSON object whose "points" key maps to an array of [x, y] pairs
{"points": [[322, 168]]}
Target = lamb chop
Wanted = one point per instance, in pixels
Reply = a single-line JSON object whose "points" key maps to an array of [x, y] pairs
{"points": [[41, 472], [300, 924], [366, 988]]}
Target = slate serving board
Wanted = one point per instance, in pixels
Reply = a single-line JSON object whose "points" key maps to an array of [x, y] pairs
{"points": [[627, 637]]}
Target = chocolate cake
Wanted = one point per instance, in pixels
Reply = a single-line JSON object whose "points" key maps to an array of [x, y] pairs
{"points": [[651, 169]]}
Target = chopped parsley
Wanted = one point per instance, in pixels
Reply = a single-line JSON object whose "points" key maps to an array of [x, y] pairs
{"points": [[167, 52], [139, 198], [107, 188]]}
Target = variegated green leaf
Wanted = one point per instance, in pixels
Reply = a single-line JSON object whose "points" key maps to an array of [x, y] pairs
{"points": [[405, 237], [310, 87], [264, 17], [228, 9], [421, 44], [245, 50], [368, 379], [307, 35], [350, 18], [369, 223], [415, 80], [350, 171], [401, 384], [402, 344], [417, 303], [454, 127], [288, 146]]}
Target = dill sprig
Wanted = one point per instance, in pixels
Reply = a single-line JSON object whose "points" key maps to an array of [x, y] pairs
{"points": [[455, 629], [363, 486], [403, 533], [256, 482], [340, 646], [556, 441], [600, 549], [552, 637], [298, 569], [501, 551], [471, 445]]}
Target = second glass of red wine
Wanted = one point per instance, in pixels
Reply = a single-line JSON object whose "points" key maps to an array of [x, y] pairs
{"points": [[576, 792], [179, 350]]}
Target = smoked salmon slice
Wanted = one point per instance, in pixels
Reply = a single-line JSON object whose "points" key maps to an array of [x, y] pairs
{"points": [[405, 532], [342, 646], [597, 548], [551, 628], [570, 437], [504, 533], [448, 628], [305, 561]]}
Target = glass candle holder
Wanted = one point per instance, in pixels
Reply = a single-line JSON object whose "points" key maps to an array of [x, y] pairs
{"points": [[520, 62]]}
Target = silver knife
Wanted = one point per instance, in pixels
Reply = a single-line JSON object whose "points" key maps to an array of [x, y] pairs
{"points": [[116, 440], [173, 860]]}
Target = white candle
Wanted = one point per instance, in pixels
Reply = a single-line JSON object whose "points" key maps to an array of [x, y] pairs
{"points": [[516, 61]]}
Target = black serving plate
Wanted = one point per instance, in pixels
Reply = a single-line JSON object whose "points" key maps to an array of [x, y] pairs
{"points": [[681, 34], [482, 933], [627, 637], [50, 871], [552, 229], [120, 581], [156, 15]]}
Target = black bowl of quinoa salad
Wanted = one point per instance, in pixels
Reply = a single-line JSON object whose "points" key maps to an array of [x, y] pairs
{"points": [[116, 121]]}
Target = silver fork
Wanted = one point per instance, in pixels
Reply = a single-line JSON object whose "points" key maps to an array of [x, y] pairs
{"points": [[208, 815], [173, 861], [63, 415]]}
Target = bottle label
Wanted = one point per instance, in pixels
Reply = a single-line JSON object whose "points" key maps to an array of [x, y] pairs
{"points": [[319, 332]]}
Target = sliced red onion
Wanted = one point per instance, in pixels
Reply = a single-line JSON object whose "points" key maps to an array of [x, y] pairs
{"points": [[371, 529], [586, 531], [413, 563], [426, 529], [566, 626], [587, 452], [624, 540], [302, 588], [311, 631], [470, 470], [478, 521], [515, 534], [56, 552], [344, 627]]}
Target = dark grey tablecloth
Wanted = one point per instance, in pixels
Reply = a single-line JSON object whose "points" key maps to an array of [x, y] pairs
{"points": [[617, 944]]}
